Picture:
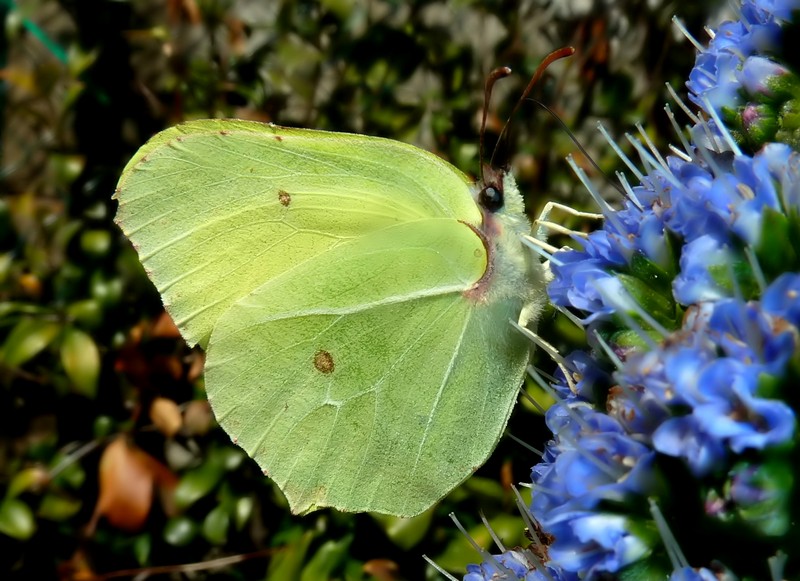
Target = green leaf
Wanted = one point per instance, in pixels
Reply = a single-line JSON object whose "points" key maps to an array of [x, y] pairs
{"points": [[106, 289], [770, 515], [27, 479], [243, 511], [660, 305], [96, 243], [104, 426], [16, 519], [405, 532], [180, 531], [81, 360], [354, 571], [70, 476], [628, 339], [88, 313], [6, 261], [287, 563], [57, 507], [27, 339], [197, 483], [645, 570], [484, 488], [651, 273], [327, 559], [142, 547], [230, 458], [743, 283], [777, 249], [215, 525]]}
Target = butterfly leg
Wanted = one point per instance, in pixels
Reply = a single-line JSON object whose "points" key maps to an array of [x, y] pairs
{"points": [[543, 223], [543, 227]]}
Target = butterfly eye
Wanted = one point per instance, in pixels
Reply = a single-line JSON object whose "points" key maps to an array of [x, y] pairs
{"points": [[491, 198]]}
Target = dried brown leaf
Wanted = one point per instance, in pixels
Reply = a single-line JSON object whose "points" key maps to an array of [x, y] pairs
{"points": [[166, 415], [127, 476]]}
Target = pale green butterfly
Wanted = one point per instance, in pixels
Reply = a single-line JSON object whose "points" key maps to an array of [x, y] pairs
{"points": [[353, 295]]}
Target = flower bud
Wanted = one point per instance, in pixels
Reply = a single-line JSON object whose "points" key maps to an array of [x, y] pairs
{"points": [[762, 76]]}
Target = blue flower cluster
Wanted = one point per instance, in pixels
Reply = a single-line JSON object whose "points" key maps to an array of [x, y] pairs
{"points": [[717, 370], [740, 80], [737, 55], [714, 211], [511, 562], [679, 431]]}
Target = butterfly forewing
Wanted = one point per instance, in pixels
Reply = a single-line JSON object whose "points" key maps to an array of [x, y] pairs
{"points": [[217, 208]]}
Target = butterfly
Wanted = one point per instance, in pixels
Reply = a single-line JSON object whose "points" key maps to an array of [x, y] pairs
{"points": [[353, 295]]}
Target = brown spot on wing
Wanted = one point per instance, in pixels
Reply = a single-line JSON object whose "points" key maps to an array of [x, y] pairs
{"points": [[323, 361], [284, 198], [278, 138]]}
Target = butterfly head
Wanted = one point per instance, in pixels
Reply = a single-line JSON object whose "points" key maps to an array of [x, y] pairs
{"points": [[511, 270], [501, 204], [491, 196]]}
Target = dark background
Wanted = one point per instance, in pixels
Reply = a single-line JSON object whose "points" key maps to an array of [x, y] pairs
{"points": [[110, 463]]}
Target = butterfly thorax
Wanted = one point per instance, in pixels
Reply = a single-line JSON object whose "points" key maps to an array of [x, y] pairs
{"points": [[512, 270]]}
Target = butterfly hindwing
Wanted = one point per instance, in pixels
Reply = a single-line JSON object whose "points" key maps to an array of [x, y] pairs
{"points": [[360, 378]]}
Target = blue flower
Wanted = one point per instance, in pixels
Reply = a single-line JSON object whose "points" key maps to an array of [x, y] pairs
{"points": [[518, 563], [746, 333], [744, 421], [575, 279], [690, 574], [590, 462], [733, 202], [691, 292], [718, 73], [683, 437], [591, 543], [713, 216], [782, 298], [584, 279], [707, 381], [759, 74], [740, 68], [488, 570], [700, 259]]}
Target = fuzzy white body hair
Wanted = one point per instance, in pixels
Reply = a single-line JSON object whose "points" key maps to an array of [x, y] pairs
{"points": [[515, 271]]}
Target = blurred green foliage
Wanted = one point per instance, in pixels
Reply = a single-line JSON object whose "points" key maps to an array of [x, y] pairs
{"points": [[111, 465]]}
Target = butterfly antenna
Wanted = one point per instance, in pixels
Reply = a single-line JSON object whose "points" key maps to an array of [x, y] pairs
{"points": [[580, 147], [494, 76], [546, 62]]}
